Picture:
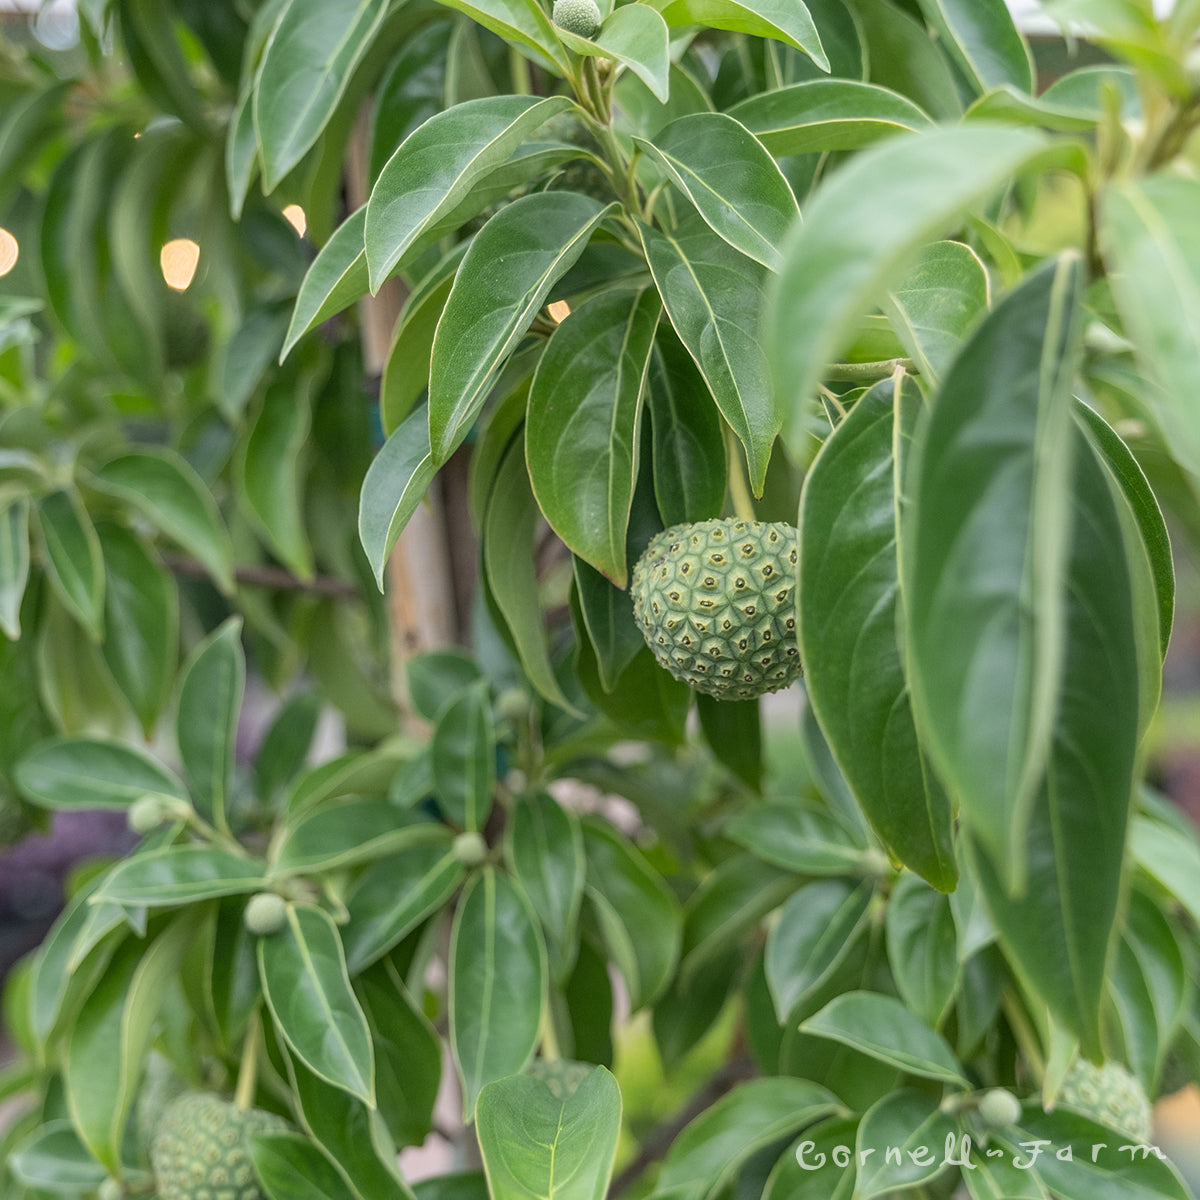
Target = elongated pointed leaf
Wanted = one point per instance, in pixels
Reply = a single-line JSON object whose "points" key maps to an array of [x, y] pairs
{"points": [[14, 564], [54, 1157], [73, 561], [84, 772], [512, 264], [828, 114], [210, 699], [522, 21], [802, 838], [849, 609], [983, 39], [910, 1121], [734, 183], [464, 757], [711, 293], [787, 20], [436, 166], [636, 36], [307, 63], [984, 547], [292, 1167], [922, 948], [497, 984], [347, 832], [858, 235], [608, 617], [180, 875], [303, 971], [538, 1142], [583, 428], [337, 277]]}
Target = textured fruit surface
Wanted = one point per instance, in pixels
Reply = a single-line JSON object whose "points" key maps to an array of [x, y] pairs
{"points": [[580, 17], [999, 1108], [715, 601], [201, 1149], [1109, 1094]]}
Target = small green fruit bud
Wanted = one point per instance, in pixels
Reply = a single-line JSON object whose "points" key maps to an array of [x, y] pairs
{"points": [[265, 913], [146, 813], [1000, 1109], [470, 849], [581, 17], [513, 705], [110, 1189]]}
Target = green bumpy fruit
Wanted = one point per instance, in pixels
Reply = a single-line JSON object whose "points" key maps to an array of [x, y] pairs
{"points": [[265, 913], [581, 17], [1109, 1094], [999, 1108], [201, 1149], [715, 601]]}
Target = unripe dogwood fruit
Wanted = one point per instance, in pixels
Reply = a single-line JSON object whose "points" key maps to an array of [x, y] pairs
{"points": [[470, 849], [581, 17], [999, 1109], [110, 1189], [265, 913], [513, 704], [146, 813]]}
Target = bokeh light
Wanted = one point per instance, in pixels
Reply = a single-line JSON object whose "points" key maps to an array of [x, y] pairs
{"points": [[178, 261], [9, 251]]}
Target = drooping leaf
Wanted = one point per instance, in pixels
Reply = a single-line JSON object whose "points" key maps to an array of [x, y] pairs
{"points": [[787, 20], [464, 757], [293, 1167], [982, 37], [14, 564], [73, 561], [922, 948], [636, 36], [83, 772], [175, 875], [524, 22], [802, 838], [608, 618]]}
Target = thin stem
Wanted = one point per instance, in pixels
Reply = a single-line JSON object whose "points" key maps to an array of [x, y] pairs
{"points": [[270, 577], [248, 1069], [868, 372], [1023, 1031], [739, 489]]}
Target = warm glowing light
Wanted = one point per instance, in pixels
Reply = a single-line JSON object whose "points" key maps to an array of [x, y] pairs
{"points": [[294, 215], [559, 311], [178, 261], [9, 251]]}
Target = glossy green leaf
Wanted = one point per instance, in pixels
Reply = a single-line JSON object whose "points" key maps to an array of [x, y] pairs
{"points": [[1172, 860], [305, 69], [345, 833], [900, 54], [157, 58], [734, 183], [883, 1028], [436, 166], [583, 428], [638, 915], [14, 564], [164, 489], [394, 895], [436, 677], [912, 1122], [286, 745], [808, 1169], [84, 772], [180, 875], [985, 542], [850, 607], [937, 304], [922, 948], [141, 623], [816, 930], [524, 22], [464, 758], [856, 239], [688, 446], [54, 1159], [504, 277], [710, 1150], [210, 699], [336, 278], [1073, 102], [1149, 237], [982, 38], [241, 152], [303, 972], [733, 730], [712, 294], [509, 533], [73, 561], [787, 20], [608, 618], [827, 114], [538, 1142], [636, 36], [292, 1167], [802, 838], [497, 984]]}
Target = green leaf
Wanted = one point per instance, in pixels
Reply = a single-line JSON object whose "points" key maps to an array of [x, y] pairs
{"points": [[511, 265], [164, 489], [734, 183], [1149, 239], [816, 930], [394, 895], [141, 624], [14, 564], [303, 972], [733, 730], [1077, 826], [688, 446], [292, 1167], [608, 618], [270, 470], [521, 21], [922, 948], [436, 677], [464, 757], [305, 69], [538, 1142], [638, 915], [346, 833], [241, 151], [828, 114], [54, 1159], [985, 627], [583, 427], [180, 875], [799, 837], [1172, 860], [902, 56], [73, 561], [857, 238], [712, 294], [285, 746], [497, 984], [710, 1150], [103, 1060], [912, 1122], [937, 304], [882, 1027], [787, 20], [850, 607], [982, 38], [437, 165], [636, 36], [808, 1170], [210, 699], [336, 278], [84, 772], [158, 61], [509, 533]]}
